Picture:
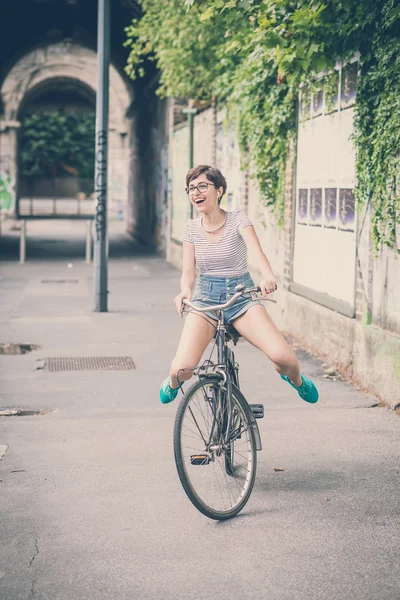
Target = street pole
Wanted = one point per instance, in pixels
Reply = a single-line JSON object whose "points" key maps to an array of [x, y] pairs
{"points": [[190, 112], [101, 156]]}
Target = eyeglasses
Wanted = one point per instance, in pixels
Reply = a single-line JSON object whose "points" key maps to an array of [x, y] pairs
{"points": [[201, 188]]}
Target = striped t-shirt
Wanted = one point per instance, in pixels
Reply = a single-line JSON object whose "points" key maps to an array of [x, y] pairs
{"points": [[226, 257]]}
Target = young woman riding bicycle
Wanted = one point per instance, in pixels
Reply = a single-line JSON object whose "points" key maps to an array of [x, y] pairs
{"points": [[217, 243]]}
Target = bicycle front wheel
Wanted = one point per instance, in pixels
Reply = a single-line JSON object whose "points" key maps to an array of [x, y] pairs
{"points": [[217, 480]]}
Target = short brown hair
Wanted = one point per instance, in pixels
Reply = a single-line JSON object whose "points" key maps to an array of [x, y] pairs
{"points": [[212, 173]]}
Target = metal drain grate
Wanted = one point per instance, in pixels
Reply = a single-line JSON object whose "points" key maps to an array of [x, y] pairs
{"points": [[89, 363]]}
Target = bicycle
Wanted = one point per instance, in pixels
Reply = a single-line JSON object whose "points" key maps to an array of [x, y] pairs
{"points": [[216, 435]]}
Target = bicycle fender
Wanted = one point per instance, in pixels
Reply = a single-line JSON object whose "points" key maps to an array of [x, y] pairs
{"points": [[254, 424], [257, 436]]}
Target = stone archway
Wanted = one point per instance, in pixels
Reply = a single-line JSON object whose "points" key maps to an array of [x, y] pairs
{"points": [[72, 61]]}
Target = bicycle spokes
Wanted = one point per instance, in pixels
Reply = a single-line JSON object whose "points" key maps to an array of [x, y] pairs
{"points": [[219, 465]]}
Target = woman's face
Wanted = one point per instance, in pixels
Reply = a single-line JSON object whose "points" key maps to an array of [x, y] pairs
{"points": [[203, 194]]}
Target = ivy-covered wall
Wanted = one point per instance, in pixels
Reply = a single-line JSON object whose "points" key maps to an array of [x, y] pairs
{"points": [[365, 348], [252, 55]]}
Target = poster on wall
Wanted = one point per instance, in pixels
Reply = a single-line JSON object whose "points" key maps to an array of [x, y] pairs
{"points": [[346, 210], [302, 207], [316, 207], [330, 211]]}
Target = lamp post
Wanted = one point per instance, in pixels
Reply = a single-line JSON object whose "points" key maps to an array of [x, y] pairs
{"points": [[101, 156], [190, 111]]}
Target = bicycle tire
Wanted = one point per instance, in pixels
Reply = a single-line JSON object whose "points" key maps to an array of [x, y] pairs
{"points": [[230, 451], [230, 458], [238, 399]]}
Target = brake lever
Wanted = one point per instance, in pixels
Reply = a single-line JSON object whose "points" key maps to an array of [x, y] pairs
{"points": [[254, 296], [240, 287]]}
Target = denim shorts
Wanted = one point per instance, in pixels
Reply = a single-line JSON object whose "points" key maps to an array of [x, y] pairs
{"points": [[217, 290]]}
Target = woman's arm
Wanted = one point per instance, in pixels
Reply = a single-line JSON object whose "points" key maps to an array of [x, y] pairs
{"points": [[188, 276], [188, 268], [268, 283]]}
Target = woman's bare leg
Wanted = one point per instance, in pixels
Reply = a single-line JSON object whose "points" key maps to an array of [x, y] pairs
{"points": [[257, 327], [196, 335]]}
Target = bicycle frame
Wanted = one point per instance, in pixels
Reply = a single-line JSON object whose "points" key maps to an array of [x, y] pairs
{"points": [[226, 366]]}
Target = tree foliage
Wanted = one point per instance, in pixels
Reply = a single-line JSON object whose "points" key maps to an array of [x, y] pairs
{"points": [[253, 55], [56, 144]]}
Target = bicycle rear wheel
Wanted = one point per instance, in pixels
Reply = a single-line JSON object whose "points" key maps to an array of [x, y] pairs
{"points": [[216, 479]]}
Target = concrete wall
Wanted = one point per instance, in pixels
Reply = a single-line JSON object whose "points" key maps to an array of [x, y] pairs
{"points": [[366, 347], [204, 132], [386, 290], [160, 174]]}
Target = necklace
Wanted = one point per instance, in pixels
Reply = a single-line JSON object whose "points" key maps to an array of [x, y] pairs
{"points": [[212, 230]]}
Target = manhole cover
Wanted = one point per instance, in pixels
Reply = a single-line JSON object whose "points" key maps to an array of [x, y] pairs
{"points": [[53, 241], [59, 281], [89, 363], [14, 349]]}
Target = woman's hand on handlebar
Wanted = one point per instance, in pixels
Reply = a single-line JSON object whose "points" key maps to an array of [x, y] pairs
{"points": [[179, 301], [268, 286]]}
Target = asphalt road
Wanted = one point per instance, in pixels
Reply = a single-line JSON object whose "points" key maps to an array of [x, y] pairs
{"points": [[91, 504]]}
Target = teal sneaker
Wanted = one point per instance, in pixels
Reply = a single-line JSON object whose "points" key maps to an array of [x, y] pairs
{"points": [[167, 393], [307, 391]]}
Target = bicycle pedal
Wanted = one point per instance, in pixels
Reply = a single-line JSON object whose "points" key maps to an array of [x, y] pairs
{"points": [[200, 459], [257, 410]]}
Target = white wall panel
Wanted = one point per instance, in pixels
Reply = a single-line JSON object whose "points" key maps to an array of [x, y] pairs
{"points": [[324, 247], [180, 166]]}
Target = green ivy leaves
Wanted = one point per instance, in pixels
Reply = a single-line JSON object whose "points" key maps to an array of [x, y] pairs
{"points": [[377, 137], [58, 144], [252, 55]]}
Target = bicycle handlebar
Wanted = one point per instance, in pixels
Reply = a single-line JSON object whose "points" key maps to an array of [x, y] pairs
{"points": [[228, 303]]}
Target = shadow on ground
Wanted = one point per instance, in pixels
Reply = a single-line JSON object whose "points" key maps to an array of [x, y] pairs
{"points": [[48, 242]]}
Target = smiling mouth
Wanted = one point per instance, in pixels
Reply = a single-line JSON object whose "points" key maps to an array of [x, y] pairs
{"points": [[200, 201]]}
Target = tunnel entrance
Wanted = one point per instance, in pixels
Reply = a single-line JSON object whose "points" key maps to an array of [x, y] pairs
{"points": [[61, 77], [56, 150]]}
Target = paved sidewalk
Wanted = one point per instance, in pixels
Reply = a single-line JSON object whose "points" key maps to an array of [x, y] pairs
{"points": [[91, 504]]}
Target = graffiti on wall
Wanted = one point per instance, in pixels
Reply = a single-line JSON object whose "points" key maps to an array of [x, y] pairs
{"points": [[7, 184], [101, 184], [6, 191], [162, 195]]}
